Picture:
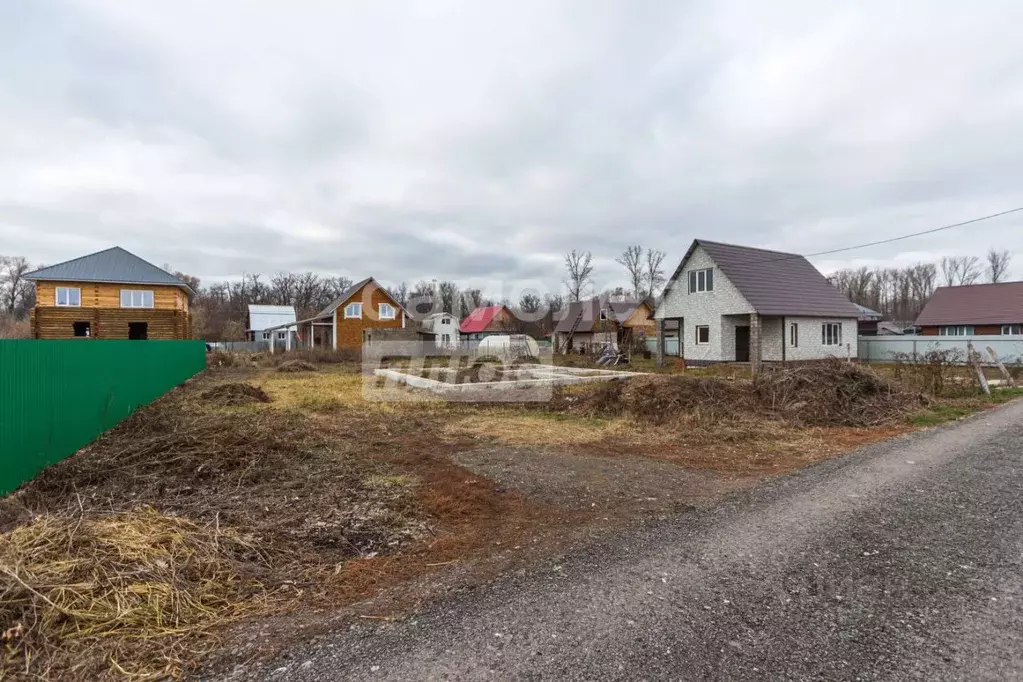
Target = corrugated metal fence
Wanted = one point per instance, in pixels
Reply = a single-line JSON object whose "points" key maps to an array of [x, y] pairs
{"points": [[58, 396], [887, 348]]}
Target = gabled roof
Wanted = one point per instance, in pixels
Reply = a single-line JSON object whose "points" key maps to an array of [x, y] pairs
{"points": [[1000, 303], [617, 310], [351, 291], [773, 282], [478, 320], [113, 265], [867, 314], [264, 316]]}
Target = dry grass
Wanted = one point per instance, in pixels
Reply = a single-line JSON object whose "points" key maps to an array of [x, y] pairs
{"points": [[542, 428], [132, 595], [296, 366]]}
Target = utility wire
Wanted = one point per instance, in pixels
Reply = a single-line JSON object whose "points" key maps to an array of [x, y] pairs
{"points": [[790, 256]]}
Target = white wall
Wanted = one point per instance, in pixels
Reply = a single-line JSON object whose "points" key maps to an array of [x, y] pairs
{"points": [[705, 308], [810, 346]]}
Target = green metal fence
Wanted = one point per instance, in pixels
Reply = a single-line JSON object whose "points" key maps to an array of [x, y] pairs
{"points": [[58, 396]]}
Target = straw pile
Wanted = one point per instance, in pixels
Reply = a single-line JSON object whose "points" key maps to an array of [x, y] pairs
{"points": [[132, 594], [831, 393]]}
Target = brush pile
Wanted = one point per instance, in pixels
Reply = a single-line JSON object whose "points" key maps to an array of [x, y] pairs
{"points": [[234, 394], [82, 589], [119, 560], [830, 393], [296, 366]]}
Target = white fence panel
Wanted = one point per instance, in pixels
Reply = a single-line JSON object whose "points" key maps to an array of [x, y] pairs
{"points": [[886, 348]]}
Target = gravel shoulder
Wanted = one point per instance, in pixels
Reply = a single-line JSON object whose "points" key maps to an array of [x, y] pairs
{"points": [[899, 560]]}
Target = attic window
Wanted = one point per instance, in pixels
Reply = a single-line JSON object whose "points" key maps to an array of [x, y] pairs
{"points": [[353, 310], [603, 314], [386, 311], [701, 280]]}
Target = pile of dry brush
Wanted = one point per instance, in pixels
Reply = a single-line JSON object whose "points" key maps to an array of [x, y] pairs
{"points": [[830, 393], [123, 557]]}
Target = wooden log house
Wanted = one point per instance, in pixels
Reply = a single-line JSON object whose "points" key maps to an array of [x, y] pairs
{"points": [[111, 294]]}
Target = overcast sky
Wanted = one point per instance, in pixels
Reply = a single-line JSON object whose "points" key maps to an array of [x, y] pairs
{"points": [[479, 141]]}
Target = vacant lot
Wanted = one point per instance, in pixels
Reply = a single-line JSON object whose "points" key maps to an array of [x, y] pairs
{"points": [[247, 507]]}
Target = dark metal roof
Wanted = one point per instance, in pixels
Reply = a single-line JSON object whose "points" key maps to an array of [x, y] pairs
{"points": [[1000, 303], [345, 295], [775, 282], [619, 310], [112, 265]]}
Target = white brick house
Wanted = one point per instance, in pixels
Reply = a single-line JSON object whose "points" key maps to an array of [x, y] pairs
{"points": [[731, 300]]}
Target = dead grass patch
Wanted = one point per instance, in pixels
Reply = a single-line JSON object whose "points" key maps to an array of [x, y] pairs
{"points": [[127, 595], [296, 366]]}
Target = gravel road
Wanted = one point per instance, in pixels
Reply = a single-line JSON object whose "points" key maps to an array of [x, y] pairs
{"points": [[899, 561]]}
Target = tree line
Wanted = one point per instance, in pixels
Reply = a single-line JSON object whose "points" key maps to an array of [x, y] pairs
{"points": [[901, 293]]}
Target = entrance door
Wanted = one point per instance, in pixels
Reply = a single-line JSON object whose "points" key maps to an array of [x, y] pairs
{"points": [[742, 344], [138, 331]]}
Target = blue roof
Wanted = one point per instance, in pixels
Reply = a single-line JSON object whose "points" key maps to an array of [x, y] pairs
{"points": [[112, 265]]}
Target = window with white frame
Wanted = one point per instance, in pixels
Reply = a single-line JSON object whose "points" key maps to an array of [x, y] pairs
{"points": [[136, 298], [603, 314], [702, 334], [353, 310], [266, 336], [1012, 329], [701, 280], [831, 334], [794, 335], [445, 339], [282, 335], [386, 311], [69, 297], [445, 320], [956, 330]]}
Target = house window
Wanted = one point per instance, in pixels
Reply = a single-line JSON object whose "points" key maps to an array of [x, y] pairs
{"points": [[1013, 329], [603, 314], [386, 311], [353, 310], [82, 329], [445, 320], [69, 297], [957, 330], [445, 339], [136, 298], [266, 336], [282, 335], [702, 334], [794, 335], [701, 280], [831, 334]]}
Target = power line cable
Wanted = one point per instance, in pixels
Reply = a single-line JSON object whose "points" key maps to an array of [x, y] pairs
{"points": [[790, 256]]}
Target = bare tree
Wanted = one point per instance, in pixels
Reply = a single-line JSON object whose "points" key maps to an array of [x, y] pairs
{"points": [[449, 299], [960, 270], [472, 299], [632, 260], [579, 270], [654, 271], [530, 303], [14, 288], [998, 264], [401, 294], [282, 288]]}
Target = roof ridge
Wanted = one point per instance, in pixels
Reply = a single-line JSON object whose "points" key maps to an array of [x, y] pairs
{"points": [[88, 255], [750, 248]]}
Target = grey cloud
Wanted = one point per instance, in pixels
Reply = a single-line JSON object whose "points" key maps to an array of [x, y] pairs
{"points": [[805, 127]]}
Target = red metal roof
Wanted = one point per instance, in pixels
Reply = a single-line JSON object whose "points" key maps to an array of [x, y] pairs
{"points": [[974, 304], [478, 320]]}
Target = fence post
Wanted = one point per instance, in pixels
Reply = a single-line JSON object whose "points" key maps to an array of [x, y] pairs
{"points": [[974, 358], [1005, 373]]}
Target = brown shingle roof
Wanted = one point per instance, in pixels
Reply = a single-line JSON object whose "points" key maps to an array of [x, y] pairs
{"points": [[974, 304], [774, 282], [620, 310]]}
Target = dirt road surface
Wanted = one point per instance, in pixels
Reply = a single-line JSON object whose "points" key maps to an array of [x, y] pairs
{"points": [[901, 560]]}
